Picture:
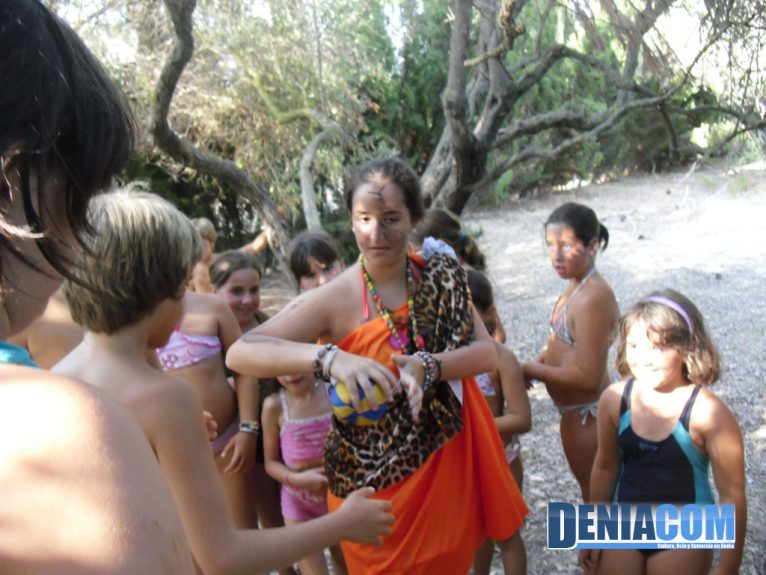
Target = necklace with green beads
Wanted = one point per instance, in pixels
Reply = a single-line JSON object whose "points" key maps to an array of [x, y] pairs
{"points": [[399, 338]]}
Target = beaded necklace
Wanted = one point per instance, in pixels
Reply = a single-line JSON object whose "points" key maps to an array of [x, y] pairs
{"points": [[396, 336]]}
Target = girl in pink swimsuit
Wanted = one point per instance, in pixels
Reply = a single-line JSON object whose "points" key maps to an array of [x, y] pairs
{"points": [[236, 278], [295, 424], [195, 353]]}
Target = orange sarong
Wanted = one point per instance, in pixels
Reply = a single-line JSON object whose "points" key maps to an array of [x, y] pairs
{"points": [[461, 495]]}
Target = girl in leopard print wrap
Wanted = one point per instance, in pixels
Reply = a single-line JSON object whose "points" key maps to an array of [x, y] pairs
{"points": [[448, 484]]}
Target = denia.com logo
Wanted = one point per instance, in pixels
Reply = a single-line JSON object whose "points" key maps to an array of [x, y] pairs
{"points": [[640, 526]]}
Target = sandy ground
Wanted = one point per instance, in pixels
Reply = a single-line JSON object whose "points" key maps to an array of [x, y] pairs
{"points": [[699, 232]]}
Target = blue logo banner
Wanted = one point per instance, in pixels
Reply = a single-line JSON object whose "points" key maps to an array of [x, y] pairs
{"points": [[640, 526]]}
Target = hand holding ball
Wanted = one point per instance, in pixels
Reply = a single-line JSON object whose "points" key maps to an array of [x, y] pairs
{"points": [[343, 408]]}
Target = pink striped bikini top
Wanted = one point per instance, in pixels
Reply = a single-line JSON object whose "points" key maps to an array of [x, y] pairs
{"points": [[184, 349], [302, 440]]}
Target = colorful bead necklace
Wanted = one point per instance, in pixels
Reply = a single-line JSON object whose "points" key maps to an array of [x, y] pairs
{"points": [[385, 313]]}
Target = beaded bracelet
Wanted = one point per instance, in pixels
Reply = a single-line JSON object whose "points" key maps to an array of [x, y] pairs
{"points": [[423, 356], [251, 426], [318, 360], [431, 366]]}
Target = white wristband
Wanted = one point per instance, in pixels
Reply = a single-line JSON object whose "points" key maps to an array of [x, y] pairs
{"points": [[328, 359]]}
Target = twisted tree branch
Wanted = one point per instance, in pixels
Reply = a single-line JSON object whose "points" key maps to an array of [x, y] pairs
{"points": [[171, 143]]}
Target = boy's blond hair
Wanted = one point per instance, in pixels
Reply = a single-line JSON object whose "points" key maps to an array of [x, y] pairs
{"points": [[140, 253]]}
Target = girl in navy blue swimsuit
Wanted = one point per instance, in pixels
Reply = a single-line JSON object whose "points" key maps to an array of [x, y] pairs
{"points": [[660, 431]]}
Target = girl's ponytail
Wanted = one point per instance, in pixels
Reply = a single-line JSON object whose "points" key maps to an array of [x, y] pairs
{"points": [[603, 236]]}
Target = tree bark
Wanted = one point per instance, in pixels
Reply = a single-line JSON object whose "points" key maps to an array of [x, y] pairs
{"points": [[468, 155], [310, 211], [459, 166], [171, 143]]}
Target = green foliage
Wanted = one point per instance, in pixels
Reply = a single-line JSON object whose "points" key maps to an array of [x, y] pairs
{"points": [[200, 196], [378, 68], [407, 110], [503, 184], [739, 184], [258, 69], [639, 142]]}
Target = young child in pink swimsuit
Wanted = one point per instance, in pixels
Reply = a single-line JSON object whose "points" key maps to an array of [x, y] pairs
{"points": [[295, 424]]}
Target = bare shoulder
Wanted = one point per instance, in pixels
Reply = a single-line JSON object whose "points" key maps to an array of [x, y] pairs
{"points": [[596, 310], [345, 296], [308, 300], [272, 403], [161, 402], [614, 390], [599, 294], [335, 294], [70, 417], [347, 284], [610, 399], [203, 302], [21, 337], [204, 313], [82, 455], [134, 384], [272, 408], [164, 390], [710, 413], [320, 313], [166, 406], [55, 399]]}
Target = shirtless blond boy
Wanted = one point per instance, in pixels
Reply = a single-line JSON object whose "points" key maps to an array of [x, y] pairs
{"points": [[139, 261]]}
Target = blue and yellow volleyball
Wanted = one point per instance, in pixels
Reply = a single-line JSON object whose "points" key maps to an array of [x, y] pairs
{"points": [[343, 409]]}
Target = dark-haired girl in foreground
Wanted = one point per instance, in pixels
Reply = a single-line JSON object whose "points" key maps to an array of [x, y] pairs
{"points": [[582, 328], [79, 482]]}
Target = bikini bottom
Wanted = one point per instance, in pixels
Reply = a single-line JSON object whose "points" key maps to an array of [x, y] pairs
{"points": [[585, 410]]}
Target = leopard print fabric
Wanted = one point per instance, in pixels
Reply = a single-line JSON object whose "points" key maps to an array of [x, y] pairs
{"points": [[383, 454]]}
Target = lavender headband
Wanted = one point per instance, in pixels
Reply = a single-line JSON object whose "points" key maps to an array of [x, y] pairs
{"points": [[674, 305]]}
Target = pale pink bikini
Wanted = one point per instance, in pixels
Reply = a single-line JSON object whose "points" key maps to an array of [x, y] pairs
{"points": [[302, 441], [185, 349]]}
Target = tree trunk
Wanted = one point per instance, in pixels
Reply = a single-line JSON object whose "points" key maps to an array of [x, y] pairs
{"points": [[460, 160], [179, 149], [313, 222], [459, 166]]}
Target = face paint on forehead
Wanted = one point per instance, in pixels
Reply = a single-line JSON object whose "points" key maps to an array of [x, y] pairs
{"points": [[385, 193], [377, 191]]}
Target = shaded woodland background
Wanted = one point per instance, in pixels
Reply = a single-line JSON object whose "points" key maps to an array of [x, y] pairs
{"points": [[251, 111]]}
